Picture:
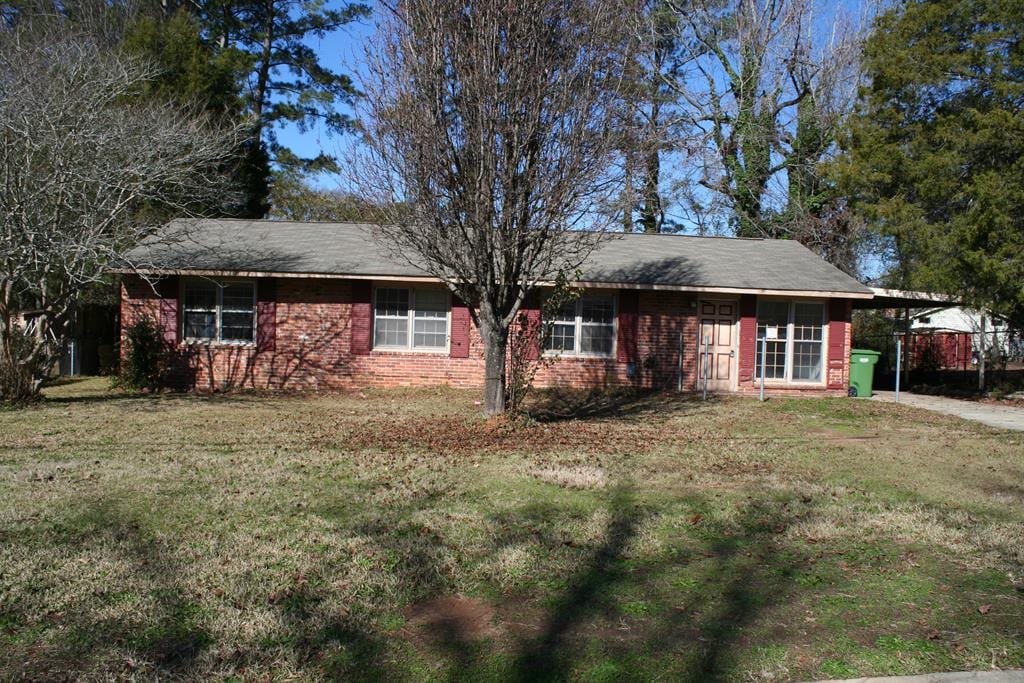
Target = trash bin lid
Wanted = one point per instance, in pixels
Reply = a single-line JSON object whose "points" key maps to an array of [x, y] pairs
{"points": [[864, 352]]}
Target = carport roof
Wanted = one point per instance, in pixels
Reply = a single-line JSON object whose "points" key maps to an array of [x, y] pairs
{"points": [[350, 250], [902, 298]]}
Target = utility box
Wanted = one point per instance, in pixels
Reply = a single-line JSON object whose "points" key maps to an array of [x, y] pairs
{"points": [[862, 371]]}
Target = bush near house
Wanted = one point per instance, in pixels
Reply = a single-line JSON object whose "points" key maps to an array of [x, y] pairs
{"points": [[143, 362]]}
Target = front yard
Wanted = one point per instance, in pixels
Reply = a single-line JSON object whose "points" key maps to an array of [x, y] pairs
{"points": [[396, 535]]}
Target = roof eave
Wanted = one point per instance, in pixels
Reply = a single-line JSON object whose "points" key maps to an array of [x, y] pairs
{"points": [[593, 284]]}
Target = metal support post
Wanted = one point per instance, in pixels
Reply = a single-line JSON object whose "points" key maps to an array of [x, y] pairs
{"points": [[679, 381], [899, 358], [764, 360]]}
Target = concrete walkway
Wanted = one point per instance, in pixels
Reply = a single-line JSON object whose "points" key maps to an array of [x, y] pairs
{"points": [[1001, 417], [951, 677]]}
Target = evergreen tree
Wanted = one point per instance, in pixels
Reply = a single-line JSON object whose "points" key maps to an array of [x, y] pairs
{"points": [[278, 78], [285, 80], [935, 152], [653, 116], [192, 71]]}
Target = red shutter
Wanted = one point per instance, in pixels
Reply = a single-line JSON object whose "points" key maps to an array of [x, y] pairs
{"points": [[838, 317], [531, 310], [266, 314], [459, 346], [170, 305], [748, 337], [362, 316], [629, 304]]}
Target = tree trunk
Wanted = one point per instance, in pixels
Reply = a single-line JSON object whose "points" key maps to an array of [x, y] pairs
{"points": [[982, 353], [259, 97], [651, 214], [495, 338], [19, 367], [627, 193], [651, 217]]}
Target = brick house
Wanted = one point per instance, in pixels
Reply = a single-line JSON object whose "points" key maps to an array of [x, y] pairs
{"points": [[268, 304]]}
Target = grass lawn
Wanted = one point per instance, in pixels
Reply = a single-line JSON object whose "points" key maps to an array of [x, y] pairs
{"points": [[396, 535]]}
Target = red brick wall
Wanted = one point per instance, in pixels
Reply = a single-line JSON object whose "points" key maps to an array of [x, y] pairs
{"points": [[313, 347], [748, 339], [839, 341]]}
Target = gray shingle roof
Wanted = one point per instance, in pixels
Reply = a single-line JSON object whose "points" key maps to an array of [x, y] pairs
{"points": [[260, 246]]}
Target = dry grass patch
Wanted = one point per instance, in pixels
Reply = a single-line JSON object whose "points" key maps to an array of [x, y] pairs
{"points": [[571, 476]]}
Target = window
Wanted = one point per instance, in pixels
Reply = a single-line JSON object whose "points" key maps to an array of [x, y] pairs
{"points": [[562, 335], [808, 331], [583, 328], [398, 310], [796, 351], [774, 315], [430, 319], [220, 311]]}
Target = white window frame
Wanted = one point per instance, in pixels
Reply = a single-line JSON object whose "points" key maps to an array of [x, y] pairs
{"points": [[219, 311], [408, 347], [791, 343], [577, 351]]}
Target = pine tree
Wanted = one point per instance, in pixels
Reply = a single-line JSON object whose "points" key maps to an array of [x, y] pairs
{"points": [[192, 71], [286, 81]]}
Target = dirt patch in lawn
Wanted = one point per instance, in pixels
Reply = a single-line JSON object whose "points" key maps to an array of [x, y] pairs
{"points": [[451, 619]]}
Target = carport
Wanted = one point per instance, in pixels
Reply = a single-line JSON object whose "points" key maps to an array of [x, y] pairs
{"points": [[903, 303]]}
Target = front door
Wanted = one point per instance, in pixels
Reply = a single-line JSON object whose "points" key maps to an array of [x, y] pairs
{"points": [[718, 339]]}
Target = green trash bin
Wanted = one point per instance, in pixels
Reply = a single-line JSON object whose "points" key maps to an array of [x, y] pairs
{"points": [[862, 371]]}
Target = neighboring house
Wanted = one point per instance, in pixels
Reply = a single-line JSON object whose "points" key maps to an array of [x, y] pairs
{"points": [[951, 337], [966, 320], [278, 304]]}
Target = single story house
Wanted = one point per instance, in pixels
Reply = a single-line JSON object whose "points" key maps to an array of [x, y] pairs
{"points": [[273, 304]]}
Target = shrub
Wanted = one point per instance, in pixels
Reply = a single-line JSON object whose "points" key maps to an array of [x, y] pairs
{"points": [[143, 363]]}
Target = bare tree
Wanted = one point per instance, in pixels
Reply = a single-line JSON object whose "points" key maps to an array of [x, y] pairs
{"points": [[762, 91], [489, 131], [82, 160]]}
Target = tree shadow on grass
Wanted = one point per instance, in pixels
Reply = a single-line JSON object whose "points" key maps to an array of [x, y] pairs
{"points": [[548, 657], [349, 644], [165, 643], [741, 564], [742, 575], [340, 646], [749, 570]]}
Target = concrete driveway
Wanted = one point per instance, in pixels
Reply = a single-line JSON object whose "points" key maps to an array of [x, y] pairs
{"points": [[1002, 417], [951, 677]]}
